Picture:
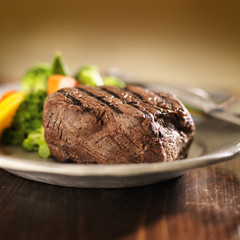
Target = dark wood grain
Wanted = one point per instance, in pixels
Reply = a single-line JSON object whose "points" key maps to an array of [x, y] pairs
{"points": [[202, 204]]}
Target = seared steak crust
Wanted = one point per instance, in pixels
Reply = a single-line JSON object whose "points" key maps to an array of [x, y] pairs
{"points": [[110, 125]]}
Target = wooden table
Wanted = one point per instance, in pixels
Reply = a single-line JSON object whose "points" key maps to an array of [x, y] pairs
{"points": [[202, 204]]}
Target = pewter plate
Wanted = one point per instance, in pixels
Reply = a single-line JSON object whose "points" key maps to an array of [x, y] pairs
{"points": [[215, 141]]}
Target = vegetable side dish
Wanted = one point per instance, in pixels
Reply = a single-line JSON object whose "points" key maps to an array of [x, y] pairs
{"points": [[21, 111]]}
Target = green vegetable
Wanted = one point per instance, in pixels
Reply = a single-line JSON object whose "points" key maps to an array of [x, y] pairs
{"points": [[44, 150], [58, 66], [27, 119], [35, 141], [35, 79], [113, 81], [90, 75], [26, 128]]}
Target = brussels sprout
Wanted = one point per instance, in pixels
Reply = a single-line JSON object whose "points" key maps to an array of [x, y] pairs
{"points": [[90, 75], [113, 81]]}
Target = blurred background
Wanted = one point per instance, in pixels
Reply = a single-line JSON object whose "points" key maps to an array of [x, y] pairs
{"points": [[193, 42]]}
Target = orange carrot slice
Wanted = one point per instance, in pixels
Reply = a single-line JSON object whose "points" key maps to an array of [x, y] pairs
{"points": [[7, 94], [56, 82]]}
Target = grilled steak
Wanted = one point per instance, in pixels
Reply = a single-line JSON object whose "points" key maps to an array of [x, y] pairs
{"points": [[110, 125]]}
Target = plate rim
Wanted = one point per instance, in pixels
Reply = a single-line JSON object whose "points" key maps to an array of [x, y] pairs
{"points": [[73, 169]]}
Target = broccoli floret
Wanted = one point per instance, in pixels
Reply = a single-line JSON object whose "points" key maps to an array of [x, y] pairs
{"points": [[28, 118], [26, 128], [44, 151], [35, 79], [35, 141], [90, 75], [59, 67], [113, 81]]}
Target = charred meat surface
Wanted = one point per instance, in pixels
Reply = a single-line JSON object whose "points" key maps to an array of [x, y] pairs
{"points": [[110, 125]]}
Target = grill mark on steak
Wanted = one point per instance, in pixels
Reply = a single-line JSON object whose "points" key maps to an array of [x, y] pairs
{"points": [[100, 99], [114, 94], [137, 95], [132, 104], [165, 99], [142, 102], [74, 100], [142, 96]]}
